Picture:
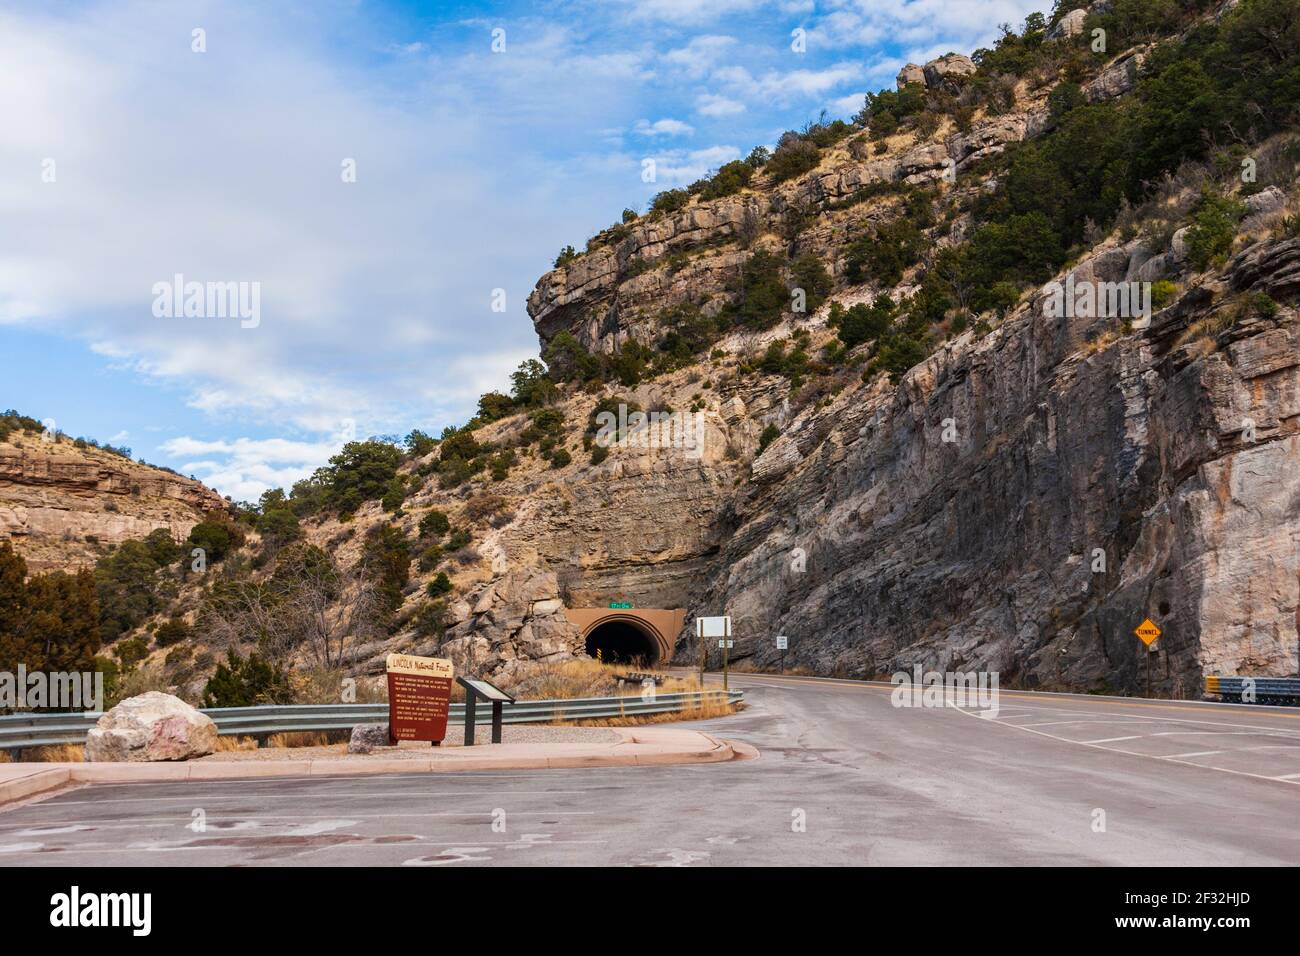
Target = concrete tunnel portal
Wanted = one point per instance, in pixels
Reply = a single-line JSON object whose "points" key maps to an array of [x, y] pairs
{"points": [[643, 636]]}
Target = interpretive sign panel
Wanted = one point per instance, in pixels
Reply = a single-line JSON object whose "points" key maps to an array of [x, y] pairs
{"points": [[419, 695]]}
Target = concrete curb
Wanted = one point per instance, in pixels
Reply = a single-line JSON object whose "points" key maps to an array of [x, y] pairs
{"points": [[638, 746]]}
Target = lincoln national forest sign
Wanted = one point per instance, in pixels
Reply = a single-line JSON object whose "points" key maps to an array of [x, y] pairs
{"points": [[419, 695]]}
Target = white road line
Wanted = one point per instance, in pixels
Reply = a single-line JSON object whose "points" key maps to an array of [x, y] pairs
{"points": [[1132, 753], [1110, 740], [1289, 776], [1194, 753]]}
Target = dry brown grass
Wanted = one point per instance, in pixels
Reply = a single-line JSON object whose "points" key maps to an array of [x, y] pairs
{"points": [[55, 753], [709, 707], [1202, 334], [5, 757], [308, 738]]}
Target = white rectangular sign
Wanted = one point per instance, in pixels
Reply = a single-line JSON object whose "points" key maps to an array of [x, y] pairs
{"points": [[782, 642], [713, 626], [727, 644]]}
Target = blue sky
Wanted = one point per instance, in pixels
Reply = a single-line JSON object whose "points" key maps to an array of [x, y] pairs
{"points": [[126, 158]]}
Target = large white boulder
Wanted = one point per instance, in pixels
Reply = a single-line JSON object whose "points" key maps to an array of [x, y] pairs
{"points": [[152, 726]]}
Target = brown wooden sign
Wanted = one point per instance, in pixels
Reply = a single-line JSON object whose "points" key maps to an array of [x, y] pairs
{"points": [[419, 695]]}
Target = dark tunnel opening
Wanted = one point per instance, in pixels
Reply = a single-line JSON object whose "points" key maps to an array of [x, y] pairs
{"points": [[622, 643]]}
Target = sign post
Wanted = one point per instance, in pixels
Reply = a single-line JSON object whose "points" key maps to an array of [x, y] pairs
{"points": [[476, 690], [419, 697], [711, 627], [726, 655], [782, 642], [1147, 633]]}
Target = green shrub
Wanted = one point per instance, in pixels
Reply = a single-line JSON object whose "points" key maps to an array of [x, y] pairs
{"points": [[560, 458], [770, 434], [246, 682], [730, 178], [1214, 227], [1162, 293], [171, 631], [809, 274], [861, 322], [434, 524], [670, 201], [793, 157], [760, 292], [439, 586]]}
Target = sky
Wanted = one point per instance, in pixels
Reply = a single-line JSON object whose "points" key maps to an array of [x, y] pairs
{"points": [[383, 182]]}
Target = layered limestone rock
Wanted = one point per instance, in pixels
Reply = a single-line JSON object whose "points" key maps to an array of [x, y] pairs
{"points": [[1022, 502], [60, 505]]}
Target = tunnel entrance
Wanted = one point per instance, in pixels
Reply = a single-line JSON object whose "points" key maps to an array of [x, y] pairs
{"points": [[622, 642]]}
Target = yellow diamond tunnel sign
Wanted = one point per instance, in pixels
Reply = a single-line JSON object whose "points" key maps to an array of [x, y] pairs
{"points": [[1147, 631]]}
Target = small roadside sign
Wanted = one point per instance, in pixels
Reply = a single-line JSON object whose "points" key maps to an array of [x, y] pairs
{"points": [[782, 642], [713, 626], [1147, 632], [727, 644]]}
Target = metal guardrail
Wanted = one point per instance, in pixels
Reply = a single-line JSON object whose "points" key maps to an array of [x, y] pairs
{"points": [[41, 730], [1256, 690]]}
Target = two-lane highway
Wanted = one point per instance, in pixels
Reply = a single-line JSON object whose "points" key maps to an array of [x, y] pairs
{"points": [[843, 777]]}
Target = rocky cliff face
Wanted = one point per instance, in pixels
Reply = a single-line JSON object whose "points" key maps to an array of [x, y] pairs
{"points": [[1078, 492], [1019, 501], [61, 505]]}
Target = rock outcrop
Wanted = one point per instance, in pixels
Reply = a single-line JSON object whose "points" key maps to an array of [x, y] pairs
{"points": [[948, 68], [515, 620], [152, 726], [60, 504]]}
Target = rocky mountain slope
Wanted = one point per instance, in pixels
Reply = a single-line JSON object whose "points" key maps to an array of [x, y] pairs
{"points": [[63, 502], [1095, 473]]}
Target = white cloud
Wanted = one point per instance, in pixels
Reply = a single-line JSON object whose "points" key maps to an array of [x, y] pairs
{"points": [[687, 11], [713, 104], [246, 467], [664, 127], [845, 107], [679, 167], [700, 55]]}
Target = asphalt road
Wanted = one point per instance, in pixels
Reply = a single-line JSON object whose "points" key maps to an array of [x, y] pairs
{"points": [[844, 777]]}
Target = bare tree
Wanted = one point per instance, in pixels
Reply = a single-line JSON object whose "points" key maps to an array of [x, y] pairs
{"points": [[309, 602], [329, 607]]}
